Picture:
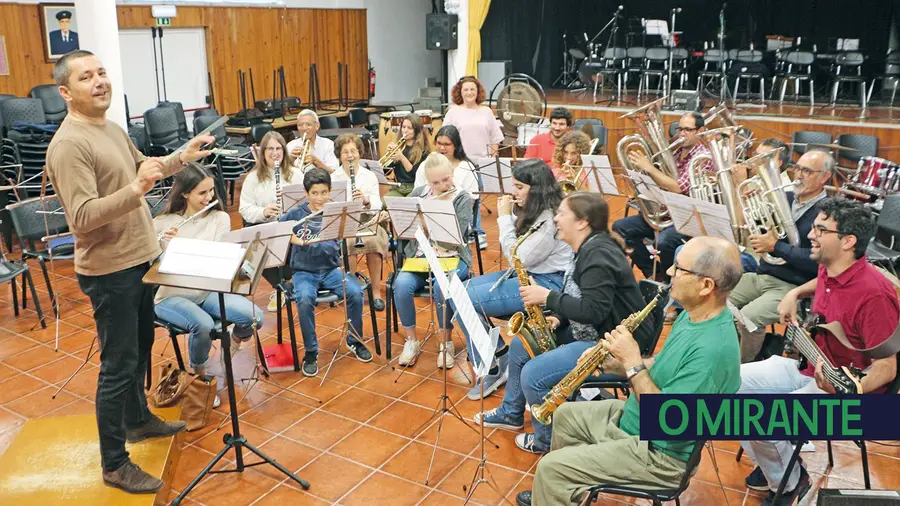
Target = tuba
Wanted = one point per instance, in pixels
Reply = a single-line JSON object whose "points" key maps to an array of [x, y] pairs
{"points": [[720, 117], [652, 140], [723, 151], [764, 203]]}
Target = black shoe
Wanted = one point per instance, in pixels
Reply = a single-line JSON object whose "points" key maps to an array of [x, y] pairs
{"points": [[154, 427], [757, 480], [310, 366], [789, 496], [362, 353], [378, 304], [523, 498], [132, 479]]}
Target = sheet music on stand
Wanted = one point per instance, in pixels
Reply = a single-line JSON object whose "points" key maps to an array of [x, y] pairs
{"points": [[439, 275], [484, 343], [657, 27], [697, 218], [496, 175], [199, 258], [294, 195], [599, 174], [333, 213], [436, 217], [647, 187], [276, 237], [378, 170]]}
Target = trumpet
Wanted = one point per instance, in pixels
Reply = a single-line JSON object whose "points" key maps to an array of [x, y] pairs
{"points": [[572, 183], [304, 142], [396, 147]]}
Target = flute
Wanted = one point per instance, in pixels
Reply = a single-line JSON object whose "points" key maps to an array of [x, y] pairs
{"points": [[189, 219]]}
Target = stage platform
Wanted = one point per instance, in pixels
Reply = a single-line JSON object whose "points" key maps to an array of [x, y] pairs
{"points": [[771, 120], [56, 460]]}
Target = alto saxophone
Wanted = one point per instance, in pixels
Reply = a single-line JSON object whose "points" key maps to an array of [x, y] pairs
{"points": [[533, 330], [543, 412]]}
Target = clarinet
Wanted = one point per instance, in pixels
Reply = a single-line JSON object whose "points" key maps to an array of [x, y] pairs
{"points": [[359, 241], [278, 201]]}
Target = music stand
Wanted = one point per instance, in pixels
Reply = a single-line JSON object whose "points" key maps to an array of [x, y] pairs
{"points": [[648, 191], [698, 218], [248, 270], [378, 170], [276, 238], [598, 175], [340, 220]]}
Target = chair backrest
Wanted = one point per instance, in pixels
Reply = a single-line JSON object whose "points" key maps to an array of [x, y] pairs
{"points": [[693, 463], [864, 145], [614, 53], [52, 102], [258, 130], [657, 54], [894, 386], [808, 137], [328, 122], [157, 203], [358, 117], [657, 318], [581, 122], [673, 129], [161, 124], [206, 112], [679, 54], [30, 110], [202, 122], [635, 52], [602, 134], [733, 54], [179, 115], [712, 55], [749, 56], [800, 57], [31, 225], [850, 59], [889, 219]]}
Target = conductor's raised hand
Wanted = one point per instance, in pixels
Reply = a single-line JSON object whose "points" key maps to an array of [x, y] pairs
{"points": [[194, 150], [149, 172]]}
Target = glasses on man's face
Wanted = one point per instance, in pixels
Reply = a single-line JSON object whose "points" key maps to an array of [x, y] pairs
{"points": [[806, 171], [820, 230], [686, 130]]}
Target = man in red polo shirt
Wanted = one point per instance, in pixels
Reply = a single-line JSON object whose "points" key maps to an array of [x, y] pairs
{"points": [[847, 290], [542, 145]]}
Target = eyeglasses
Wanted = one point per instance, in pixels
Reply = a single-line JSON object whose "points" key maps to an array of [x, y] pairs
{"points": [[820, 230], [693, 273], [276, 149], [806, 171], [686, 129]]}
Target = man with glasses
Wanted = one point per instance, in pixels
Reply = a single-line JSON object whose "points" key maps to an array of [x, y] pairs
{"points": [[634, 229], [599, 442], [758, 294], [321, 150], [847, 290]]}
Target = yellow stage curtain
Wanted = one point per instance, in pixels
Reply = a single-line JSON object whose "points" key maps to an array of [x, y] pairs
{"points": [[478, 10]]}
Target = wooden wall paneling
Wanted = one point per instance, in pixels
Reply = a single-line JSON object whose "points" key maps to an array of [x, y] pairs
{"points": [[21, 25]]}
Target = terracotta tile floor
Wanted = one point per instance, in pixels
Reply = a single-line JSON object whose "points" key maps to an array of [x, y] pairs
{"points": [[371, 438]]}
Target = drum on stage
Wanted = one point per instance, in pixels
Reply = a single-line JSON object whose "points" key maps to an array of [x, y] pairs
{"points": [[875, 176], [389, 129]]}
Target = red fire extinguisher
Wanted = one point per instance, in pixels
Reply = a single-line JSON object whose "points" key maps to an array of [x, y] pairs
{"points": [[371, 81]]}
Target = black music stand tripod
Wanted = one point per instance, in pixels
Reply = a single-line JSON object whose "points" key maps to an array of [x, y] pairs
{"points": [[256, 255]]}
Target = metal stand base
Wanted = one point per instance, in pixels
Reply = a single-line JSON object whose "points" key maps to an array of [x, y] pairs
{"points": [[482, 475]]}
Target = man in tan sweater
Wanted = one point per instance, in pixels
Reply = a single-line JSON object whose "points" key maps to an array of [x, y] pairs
{"points": [[100, 179]]}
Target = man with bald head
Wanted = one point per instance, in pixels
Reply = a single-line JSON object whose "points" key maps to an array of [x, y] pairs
{"points": [[599, 442], [758, 294]]}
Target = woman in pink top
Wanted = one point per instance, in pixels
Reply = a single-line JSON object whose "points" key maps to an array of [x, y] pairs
{"points": [[478, 128]]}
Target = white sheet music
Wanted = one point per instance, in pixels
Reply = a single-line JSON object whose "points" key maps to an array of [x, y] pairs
{"points": [[597, 168], [376, 169], [205, 259], [440, 221], [276, 236], [433, 262], [339, 191], [293, 195], [715, 222], [647, 188], [487, 167], [466, 315], [331, 218], [403, 212]]}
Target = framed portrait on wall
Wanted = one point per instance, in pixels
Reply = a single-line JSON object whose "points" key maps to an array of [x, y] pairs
{"points": [[59, 27]]}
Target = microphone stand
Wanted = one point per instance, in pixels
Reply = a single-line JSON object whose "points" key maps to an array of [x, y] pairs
{"points": [[609, 45], [723, 81], [591, 42], [669, 98]]}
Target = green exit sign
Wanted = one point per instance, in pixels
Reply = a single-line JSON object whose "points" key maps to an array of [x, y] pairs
{"points": [[163, 21]]}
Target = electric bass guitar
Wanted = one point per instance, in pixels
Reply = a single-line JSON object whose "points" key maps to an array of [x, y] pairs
{"points": [[844, 379]]}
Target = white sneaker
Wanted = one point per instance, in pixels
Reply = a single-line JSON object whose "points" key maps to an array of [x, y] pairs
{"points": [[217, 402], [410, 353], [273, 302], [446, 358]]}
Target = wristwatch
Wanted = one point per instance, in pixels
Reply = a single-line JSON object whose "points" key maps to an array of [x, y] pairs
{"points": [[634, 371]]}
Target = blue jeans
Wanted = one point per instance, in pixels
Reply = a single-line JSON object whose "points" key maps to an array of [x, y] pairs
{"points": [[198, 319], [531, 379], [505, 300], [748, 263], [634, 230], [306, 287], [406, 284]]}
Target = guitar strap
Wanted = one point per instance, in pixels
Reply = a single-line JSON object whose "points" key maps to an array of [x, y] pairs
{"points": [[890, 347]]}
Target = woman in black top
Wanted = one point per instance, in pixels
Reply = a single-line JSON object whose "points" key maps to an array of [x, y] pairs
{"points": [[406, 162], [599, 291]]}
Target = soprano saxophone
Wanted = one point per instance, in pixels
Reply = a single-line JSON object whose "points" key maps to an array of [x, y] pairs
{"points": [[543, 412], [533, 330]]}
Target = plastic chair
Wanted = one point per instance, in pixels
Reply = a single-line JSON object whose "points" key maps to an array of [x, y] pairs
{"points": [[752, 57], [179, 115], [329, 122], [9, 271], [798, 68], [863, 145], [655, 62], [54, 106], [847, 68], [163, 131], [801, 138], [887, 235], [889, 80]]}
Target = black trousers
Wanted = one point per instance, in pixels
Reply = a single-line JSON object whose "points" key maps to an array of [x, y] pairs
{"points": [[123, 313]]}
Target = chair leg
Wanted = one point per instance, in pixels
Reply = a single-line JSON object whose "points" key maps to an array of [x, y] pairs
{"points": [[740, 454], [478, 256], [865, 463], [737, 86], [149, 382], [374, 318], [24, 293], [291, 333], [787, 473], [830, 454], [278, 326], [388, 314], [834, 92], [37, 303], [53, 302], [812, 93], [15, 297], [177, 348]]}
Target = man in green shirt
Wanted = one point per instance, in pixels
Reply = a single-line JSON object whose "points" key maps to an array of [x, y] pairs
{"points": [[598, 442]]}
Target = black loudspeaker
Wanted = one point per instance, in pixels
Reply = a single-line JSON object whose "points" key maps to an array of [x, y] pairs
{"points": [[844, 497], [440, 31]]}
